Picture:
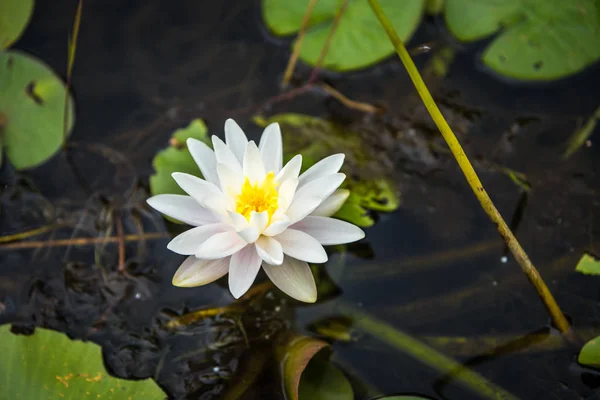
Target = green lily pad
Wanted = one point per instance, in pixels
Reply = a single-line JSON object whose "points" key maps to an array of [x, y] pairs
{"points": [[322, 380], [315, 139], [32, 101], [590, 353], [588, 265], [177, 158], [49, 365], [359, 41], [14, 17], [538, 39]]}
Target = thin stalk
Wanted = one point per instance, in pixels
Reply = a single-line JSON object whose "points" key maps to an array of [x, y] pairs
{"points": [[81, 241], [70, 62], [336, 22], [289, 69], [465, 165]]}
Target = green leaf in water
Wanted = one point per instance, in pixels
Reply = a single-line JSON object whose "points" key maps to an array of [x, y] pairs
{"points": [[177, 158], [588, 265], [359, 41], [315, 139], [14, 17], [538, 40], [32, 101], [590, 353], [322, 380], [49, 365], [581, 135]]}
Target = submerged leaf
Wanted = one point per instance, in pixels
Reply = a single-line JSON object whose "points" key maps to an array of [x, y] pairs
{"points": [[315, 139], [590, 353], [324, 381], [14, 17], [539, 39], [177, 158], [580, 136], [359, 40], [49, 365], [588, 265], [32, 101]]}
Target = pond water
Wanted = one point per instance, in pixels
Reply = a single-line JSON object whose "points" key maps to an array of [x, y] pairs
{"points": [[433, 269]]}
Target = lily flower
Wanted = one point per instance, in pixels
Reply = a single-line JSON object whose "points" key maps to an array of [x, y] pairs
{"points": [[251, 211]]}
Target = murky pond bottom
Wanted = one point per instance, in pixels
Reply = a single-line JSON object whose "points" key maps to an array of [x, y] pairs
{"points": [[435, 269]]}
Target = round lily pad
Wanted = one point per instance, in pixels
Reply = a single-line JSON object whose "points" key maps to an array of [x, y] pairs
{"points": [[32, 100], [538, 39], [359, 40], [14, 17]]}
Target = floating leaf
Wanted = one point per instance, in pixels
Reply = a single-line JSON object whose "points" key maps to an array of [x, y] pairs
{"points": [[32, 101], [292, 354], [588, 265], [49, 365], [315, 139], [322, 380], [540, 39], [177, 158], [14, 17], [359, 41], [590, 353]]}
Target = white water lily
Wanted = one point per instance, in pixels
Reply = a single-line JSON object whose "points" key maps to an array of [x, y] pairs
{"points": [[250, 211]]}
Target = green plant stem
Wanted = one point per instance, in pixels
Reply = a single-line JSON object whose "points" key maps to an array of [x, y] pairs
{"points": [[289, 69], [465, 165], [425, 354], [70, 62]]}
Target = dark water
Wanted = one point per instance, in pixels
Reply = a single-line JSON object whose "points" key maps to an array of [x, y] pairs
{"points": [[433, 268]]}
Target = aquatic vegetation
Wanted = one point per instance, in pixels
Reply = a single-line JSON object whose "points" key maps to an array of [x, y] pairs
{"points": [[14, 17], [32, 100], [47, 364], [588, 265], [590, 353], [251, 210]]}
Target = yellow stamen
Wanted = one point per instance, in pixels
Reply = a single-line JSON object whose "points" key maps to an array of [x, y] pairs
{"points": [[259, 198]]}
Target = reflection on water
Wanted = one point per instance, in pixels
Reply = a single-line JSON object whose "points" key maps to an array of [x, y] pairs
{"points": [[433, 268]]}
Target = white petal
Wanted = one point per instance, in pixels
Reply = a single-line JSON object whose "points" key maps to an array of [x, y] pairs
{"points": [[188, 242], [220, 245], [269, 250], [243, 267], [249, 234], [225, 156], [290, 170], [301, 246], [205, 158], [286, 194], [259, 221], [276, 228], [182, 208], [294, 278], [230, 181], [239, 221], [327, 166], [196, 272], [253, 165], [311, 195], [271, 148], [329, 231], [198, 188], [332, 204], [236, 139]]}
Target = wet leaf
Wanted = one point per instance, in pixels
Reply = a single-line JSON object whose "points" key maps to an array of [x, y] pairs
{"points": [[359, 41], [590, 353], [538, 40], [315, 139], [322, 380], [588, 265], [337, 328], [49, 365], [293, 353], [14, 17], [177, 158], [580, 136], [32, 101]]}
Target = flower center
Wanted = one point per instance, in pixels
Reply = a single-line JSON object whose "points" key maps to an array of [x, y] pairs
{"points": [[259, 198]]}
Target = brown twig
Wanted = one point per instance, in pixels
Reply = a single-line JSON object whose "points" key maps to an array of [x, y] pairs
{"points": [[82, 241], [355, 105], [121, 241], [26, 234], [336, 22], [289, 69]]}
